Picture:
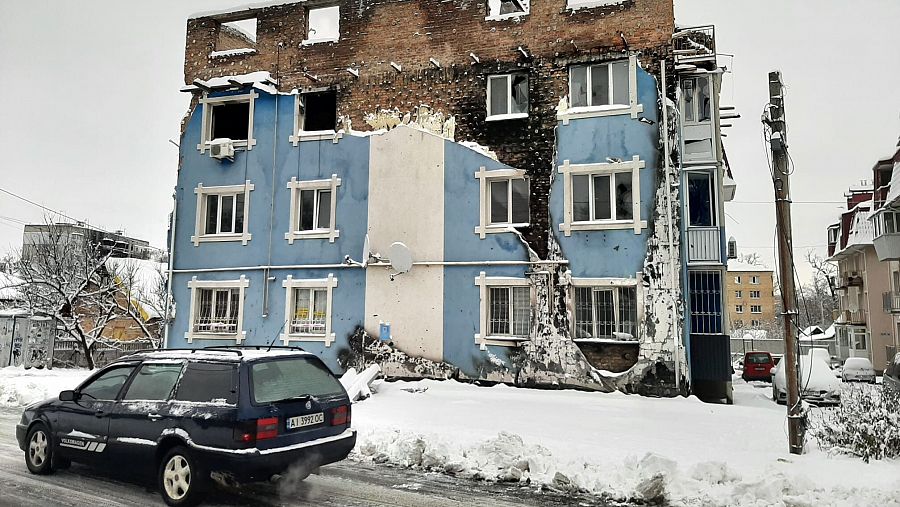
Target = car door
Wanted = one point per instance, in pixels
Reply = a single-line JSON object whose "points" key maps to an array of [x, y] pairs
{"points": [[143, 412], [82, 425]]}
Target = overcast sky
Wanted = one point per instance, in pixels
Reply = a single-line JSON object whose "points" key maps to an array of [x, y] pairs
{"points": [[92, 99]]}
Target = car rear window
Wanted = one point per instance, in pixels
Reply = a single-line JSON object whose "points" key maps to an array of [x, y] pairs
{"points": [[283, 379], [153, 382], [758, 358], [857, 362], [208, 383]]}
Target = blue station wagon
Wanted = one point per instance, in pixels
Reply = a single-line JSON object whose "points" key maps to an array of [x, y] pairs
{"points": [[241, 413]]}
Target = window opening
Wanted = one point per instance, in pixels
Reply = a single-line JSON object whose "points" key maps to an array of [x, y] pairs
{"points": [[323, 24], [599, 85], [236, 35], [508, 95], [231, 120], [318, 111]]}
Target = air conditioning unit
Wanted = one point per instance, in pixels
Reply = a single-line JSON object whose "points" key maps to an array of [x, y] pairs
{"points": [[221, 148]]}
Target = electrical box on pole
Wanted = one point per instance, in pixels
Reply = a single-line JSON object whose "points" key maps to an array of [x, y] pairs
{"points": [[774, 120]]}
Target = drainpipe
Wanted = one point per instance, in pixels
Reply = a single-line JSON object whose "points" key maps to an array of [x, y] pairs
{"points": [[266, 274], [674, 316], [171, 268]]}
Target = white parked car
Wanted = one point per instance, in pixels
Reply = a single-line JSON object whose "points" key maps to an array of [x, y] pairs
{"points": [[817, 382], [858, 369]]}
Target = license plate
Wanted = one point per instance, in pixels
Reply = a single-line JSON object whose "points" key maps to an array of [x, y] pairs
{"points": [[305, 420]]}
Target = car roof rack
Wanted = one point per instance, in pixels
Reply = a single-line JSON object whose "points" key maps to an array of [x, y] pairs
{"points": [[220, 348], [255, 347]]}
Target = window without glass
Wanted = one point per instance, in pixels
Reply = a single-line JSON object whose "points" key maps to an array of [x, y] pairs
{"points": [[599, 85], [509, 311], [153, 382], [224, 214], [217, 311], [602, 197], [207, 383], [237, 35], [507, 95], [315, 210], [322, 24], [309, 311], [701, 203], [230, 120], [317, 112], [600, 312], [509, 201], [696, 99], [108, 385]]}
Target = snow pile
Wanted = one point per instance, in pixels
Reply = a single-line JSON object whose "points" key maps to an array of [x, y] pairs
{"points": [[624, 448], [20, 387]]}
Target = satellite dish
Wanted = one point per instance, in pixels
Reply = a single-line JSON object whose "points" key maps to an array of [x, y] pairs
{"points": [[366, 252], [401, 258]]}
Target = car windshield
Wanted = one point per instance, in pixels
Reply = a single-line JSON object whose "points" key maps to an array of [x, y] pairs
{"points": [[286, 379], [859, 363], [758, 358]]}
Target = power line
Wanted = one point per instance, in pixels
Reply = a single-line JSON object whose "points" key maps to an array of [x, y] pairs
{"points": [[55, 212], [792, 202]]}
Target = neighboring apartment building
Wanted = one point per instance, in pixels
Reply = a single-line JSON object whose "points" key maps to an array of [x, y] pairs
{"points": [[544, 225], [750, 293], [36, 235], [886, 222]]}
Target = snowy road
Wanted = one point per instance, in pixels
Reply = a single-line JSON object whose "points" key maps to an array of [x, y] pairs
{"points": [[345, 484]]}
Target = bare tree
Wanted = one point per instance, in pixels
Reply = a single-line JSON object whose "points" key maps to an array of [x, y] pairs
{"points": [[66, 276], [752, 258]]}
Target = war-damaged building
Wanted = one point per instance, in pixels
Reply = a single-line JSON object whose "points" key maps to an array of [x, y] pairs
{"points": [[504, 190]]}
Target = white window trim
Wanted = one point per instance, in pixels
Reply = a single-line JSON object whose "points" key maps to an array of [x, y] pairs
{"points": [[242, 283], [526, 9], [754, 277], [757, 306], [504, 116], [612, 283], [289, 284], [310, 135], [202, 192], [739, 308], [483, 337], [206, 123], [295, 187], [568, 170], [485, 178], [574, 5], [633, 108], [758, 294]]}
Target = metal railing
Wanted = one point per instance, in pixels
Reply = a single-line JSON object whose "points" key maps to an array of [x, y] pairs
{"points": [[891, 301], [694, 43]]}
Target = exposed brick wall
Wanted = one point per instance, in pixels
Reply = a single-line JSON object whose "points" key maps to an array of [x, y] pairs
{"points": [[375, 33], [612, 357]]}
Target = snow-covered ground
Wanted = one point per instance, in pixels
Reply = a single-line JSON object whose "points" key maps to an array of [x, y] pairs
{"points": [[615, 445], [20, 387]]}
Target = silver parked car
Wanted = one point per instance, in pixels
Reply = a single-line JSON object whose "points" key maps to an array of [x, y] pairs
{"points": [[858, 369]]}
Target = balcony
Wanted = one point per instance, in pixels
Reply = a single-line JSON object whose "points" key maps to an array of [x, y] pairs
{"points": [[891, 302], [887, 247], [857, 317], [695, 46], [704, 244]]}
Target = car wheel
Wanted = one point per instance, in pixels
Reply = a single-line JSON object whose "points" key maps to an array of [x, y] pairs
{"points": [[182, 482], [774, 394], [39, 450]]}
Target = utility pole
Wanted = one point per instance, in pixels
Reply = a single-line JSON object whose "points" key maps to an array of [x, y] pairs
{"points": [[781, 180]]}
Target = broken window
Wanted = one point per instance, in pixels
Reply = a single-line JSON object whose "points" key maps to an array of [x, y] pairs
{"points": [[322, 24], [696, 95], [605, 312], [701, 199], [510, 311], [230, 120], [317, 112], [502, 8], [224, 214], [236, 37], [599, 85], [509, 201], [507, 96], [602, 197]]}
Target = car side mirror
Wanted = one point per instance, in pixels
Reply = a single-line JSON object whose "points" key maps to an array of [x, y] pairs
{"points": [[67, 395]]}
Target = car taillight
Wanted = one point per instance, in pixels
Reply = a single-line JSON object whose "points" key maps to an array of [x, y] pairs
{"points": [[266, 428], [340, 415]]}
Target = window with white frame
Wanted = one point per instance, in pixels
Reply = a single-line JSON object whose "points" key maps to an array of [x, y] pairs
{"points": [[605, 312], [505, 9], [754, 323], [886, 222], [737, 279], [222, 213], [696, 99], [315, 116], [739, 308], [738, 294], [602, 196], [754, 280], [322, 24], [602, 89], [701, 199], [507, 96], [755, 308], [504, 195], [217, 309], [308, 309], [228, 117], [859, 340], [505, 310], [313, 209], [754, 294]]}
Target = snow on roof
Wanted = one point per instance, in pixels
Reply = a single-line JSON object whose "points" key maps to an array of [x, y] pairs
{"points": [[240, 8], [861, 230], [9, 287], [145, 278], [737, 266], [894, 192], [260, 79]]}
